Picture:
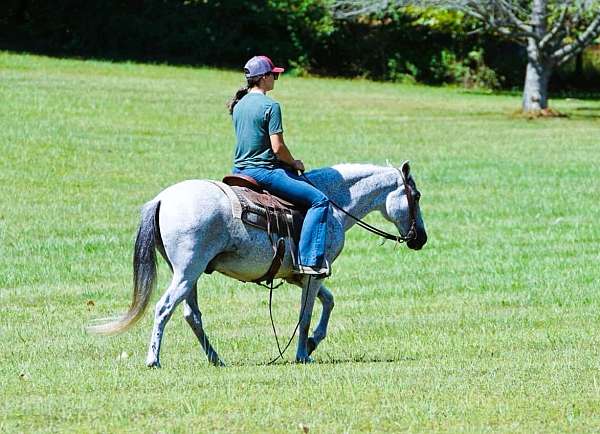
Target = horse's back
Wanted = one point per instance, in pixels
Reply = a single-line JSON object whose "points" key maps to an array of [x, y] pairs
{"points": [[192, 194], [191, 206], [190, 191]]}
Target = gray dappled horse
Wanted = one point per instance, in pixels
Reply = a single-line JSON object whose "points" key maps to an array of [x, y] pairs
{"points": [[191, 224]]}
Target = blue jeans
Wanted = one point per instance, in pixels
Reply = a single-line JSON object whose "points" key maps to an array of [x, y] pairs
{"points": [[289, 186]]}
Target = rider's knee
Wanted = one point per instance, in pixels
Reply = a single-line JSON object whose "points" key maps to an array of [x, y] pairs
{"points": [[321, 201]]}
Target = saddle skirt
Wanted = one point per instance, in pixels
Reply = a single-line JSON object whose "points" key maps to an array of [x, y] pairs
{"points": [[270, 213]]}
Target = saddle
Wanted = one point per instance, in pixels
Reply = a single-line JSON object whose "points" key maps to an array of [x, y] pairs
{"points": [[264, 210], [278, 217]]}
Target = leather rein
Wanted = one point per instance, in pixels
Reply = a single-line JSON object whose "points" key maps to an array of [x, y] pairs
{"points": [[412, 232]]}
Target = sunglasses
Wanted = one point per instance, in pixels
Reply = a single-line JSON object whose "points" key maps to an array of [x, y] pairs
{"points": [[274, 74]]}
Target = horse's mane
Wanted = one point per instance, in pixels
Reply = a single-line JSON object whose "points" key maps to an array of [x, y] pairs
{"points": [[348, 171], [331, 180]]}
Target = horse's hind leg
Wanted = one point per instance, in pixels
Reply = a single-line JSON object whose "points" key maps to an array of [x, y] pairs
{"points": [[178, 290], [326, 299], [192, 315]]}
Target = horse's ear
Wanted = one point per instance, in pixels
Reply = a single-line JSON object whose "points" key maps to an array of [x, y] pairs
{"points": [[405, 168]]}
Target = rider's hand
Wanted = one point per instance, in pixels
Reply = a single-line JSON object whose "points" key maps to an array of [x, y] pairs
{"points": [[298, 165]]}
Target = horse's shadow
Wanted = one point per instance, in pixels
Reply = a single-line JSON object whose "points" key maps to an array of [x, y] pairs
{"points": [[360, 359]]}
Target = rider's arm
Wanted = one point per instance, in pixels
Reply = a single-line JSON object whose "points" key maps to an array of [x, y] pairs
{"points": [[283, 153]]}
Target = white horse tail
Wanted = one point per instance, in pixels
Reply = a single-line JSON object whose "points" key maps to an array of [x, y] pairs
{"points": [[144, 273]]}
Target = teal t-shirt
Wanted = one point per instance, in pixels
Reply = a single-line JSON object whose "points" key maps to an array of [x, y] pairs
{"points": [[255, 118]]}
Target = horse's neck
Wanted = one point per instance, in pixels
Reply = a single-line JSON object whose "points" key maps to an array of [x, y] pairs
{"points": [[363, 189]]}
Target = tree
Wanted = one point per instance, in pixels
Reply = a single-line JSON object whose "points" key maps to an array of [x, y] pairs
{"points": [[552, 31]]}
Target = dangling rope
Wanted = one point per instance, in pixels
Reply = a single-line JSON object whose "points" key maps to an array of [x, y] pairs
{"points": [[280, 356]]}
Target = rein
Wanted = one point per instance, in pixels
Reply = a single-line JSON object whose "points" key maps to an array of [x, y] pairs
{"points": [[412, 233], [281, 352]]}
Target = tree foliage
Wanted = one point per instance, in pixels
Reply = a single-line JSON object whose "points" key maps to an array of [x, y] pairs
{"points": [[559, 28], [211, 32], [426, 44], [551, 31]]}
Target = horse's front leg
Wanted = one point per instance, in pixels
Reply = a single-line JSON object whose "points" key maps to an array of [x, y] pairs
{"points": [[307, 302], [326, 299]]}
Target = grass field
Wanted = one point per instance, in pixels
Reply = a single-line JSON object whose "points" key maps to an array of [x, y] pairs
{"points": [[492, 327]]}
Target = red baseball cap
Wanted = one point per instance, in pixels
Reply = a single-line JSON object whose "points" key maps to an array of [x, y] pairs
{"points": [[260, 65]]}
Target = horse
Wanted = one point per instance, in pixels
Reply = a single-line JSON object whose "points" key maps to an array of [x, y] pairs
{"points": [[191, 224]]}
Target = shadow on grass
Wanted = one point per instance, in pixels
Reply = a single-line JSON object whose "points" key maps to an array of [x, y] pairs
{"points": [[486, 92], [365, 359], [585, 113], [591, 109], [336, 361], [584, 95]]}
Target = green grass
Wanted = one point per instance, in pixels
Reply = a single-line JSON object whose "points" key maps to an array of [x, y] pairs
{"points": [[492, 327]]}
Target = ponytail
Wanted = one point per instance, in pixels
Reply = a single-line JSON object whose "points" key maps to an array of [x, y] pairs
{"points": [[242, 92]]}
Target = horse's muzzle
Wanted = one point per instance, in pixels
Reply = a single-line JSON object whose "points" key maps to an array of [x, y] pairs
{"points": [[418, 242]]}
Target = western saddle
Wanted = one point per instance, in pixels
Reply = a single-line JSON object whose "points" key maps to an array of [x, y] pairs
{"points": [[278, 217]]}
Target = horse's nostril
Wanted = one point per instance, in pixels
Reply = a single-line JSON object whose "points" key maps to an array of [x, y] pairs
{"points": [[418, 242]]}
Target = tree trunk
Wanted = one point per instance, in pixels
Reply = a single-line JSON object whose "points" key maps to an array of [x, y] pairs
{"points": [[535, 93]]}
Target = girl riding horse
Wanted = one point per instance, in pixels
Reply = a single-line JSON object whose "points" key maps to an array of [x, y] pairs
{"points": [[262, 154]]}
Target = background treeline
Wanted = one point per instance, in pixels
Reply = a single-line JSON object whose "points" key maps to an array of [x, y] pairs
{"points": [[400, 45]]}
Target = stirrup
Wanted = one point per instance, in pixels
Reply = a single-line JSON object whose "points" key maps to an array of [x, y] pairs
{"points": [[316, 271]]}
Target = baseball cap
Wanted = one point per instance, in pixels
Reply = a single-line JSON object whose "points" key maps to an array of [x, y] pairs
{"points": [[260, 65]]}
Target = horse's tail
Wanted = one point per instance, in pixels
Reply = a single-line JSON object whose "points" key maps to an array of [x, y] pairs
{"points": [[144, 273]]}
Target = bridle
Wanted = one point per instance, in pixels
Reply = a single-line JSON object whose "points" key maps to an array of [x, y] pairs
{"points": [[412, 232], [411, 235], [412, 209]]}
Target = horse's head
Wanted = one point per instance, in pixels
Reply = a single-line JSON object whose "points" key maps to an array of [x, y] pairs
{"points": [[402, 209]]}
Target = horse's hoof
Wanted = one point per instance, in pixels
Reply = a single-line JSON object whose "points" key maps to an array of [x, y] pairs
{"points": [[305, 360], [218, 363], [311, 345], [153, 364]]}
